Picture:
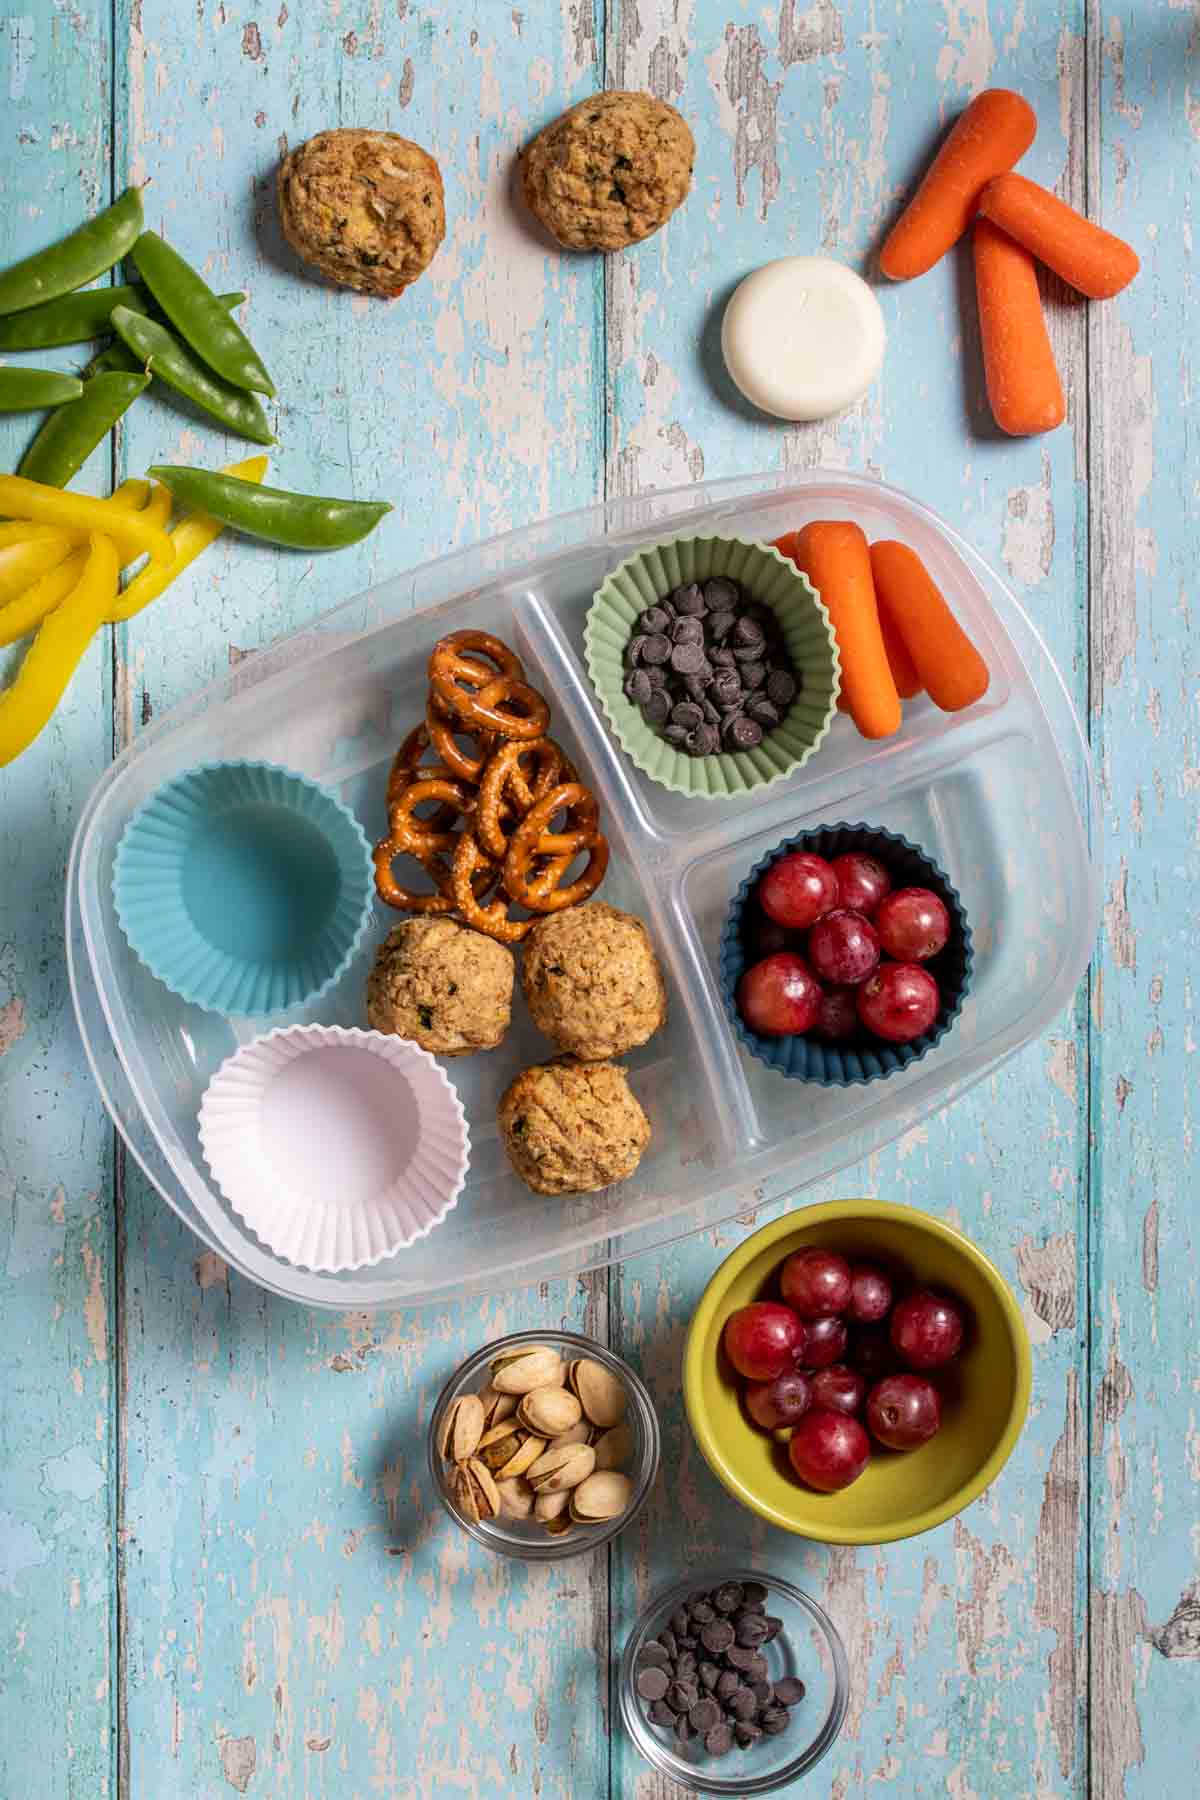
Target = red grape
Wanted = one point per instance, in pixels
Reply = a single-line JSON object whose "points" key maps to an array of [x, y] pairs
{"points": [[899, 1002], [843, 947], [913, 924], [797, 889], [838, 1017], [767, 938], [927, 1329], [779, 995], [839, 1389], [862, 881], [829, 1450], [783, 1401], [871, 1353], [816, 1282], [763, 1339], [904, 1411], [826, 1343], [870, 1295]]}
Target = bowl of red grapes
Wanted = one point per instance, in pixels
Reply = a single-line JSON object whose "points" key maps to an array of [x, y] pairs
{"points": [[857, 1371], [845, 957]]}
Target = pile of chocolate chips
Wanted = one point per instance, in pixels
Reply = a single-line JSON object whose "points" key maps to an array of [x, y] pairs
{"points": [[708, 670], [705, 1675]]}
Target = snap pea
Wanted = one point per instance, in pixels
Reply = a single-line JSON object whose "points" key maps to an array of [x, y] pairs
{"points": [[74, 318], [116, 356], [24, 390], [71, 433], [300, 521], [76, 259], [162, 354], [198, 315]]}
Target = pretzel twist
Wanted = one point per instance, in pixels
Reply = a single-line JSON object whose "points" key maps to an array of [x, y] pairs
{"points": [[493, 919], [510, 784], [534, 892]]}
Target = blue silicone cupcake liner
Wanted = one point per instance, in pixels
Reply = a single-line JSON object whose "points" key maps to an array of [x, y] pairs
{"points": [[244, 887], [853, 1064]]}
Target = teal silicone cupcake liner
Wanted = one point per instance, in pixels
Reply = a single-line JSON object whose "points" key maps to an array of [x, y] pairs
{"points": [[855, 1063], [244, 887], [765, 576]]}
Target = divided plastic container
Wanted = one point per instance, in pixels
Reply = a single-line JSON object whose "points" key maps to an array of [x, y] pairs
{"points": [[999, 796]]}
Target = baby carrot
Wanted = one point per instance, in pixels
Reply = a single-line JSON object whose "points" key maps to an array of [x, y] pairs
{"points": [[1022, 379], [833, 554], [996, 128], [1085, 255], [904, 669], [952, 670]]}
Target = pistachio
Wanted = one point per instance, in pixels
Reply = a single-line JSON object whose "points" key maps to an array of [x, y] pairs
{"points": [[465, 1494], [602, 1496], [601, 1395], [461, 1428], [549, 1411], [536, 1367], [497, 1445], [613, 1448], [556, 1527], [558, 1469], [516, 1498], [522, 1458], [551, 1506], [580, 1433], [486, 1493], [496, 1407]]}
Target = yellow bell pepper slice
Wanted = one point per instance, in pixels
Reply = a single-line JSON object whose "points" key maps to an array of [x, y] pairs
{"points": [[54, 655], [28, 552], [26, 612], [22, 499], [148, 498], [193, 535]]}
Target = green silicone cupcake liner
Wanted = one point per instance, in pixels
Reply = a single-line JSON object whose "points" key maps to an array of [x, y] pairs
{"points": [[764, 575]]}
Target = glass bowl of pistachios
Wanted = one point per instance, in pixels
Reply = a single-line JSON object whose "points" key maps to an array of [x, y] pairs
{"points": [[543, 1445]]}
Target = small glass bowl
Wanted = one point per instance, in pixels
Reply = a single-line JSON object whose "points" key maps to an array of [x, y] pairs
{"points": [[808, 1647], [527, 1539]]}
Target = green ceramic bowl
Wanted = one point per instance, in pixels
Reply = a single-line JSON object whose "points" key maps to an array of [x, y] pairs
{"points": [[764, 575], [985, 1391]]}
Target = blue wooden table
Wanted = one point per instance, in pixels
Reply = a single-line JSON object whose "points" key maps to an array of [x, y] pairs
{"points": [[221, 1566]]}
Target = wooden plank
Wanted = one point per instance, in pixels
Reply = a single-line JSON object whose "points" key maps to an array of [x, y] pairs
{"points": [[57, 1612], [301, 1617], [1145, 1614], [965, 1648]]}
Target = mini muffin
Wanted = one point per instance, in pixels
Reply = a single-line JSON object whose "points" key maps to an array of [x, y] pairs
{"points": [[364, 207], [571, 1127], [610, 171], [592, 981], [446, 988]]}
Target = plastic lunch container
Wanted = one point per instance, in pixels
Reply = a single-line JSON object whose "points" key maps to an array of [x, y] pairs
{"points": [[1000, 796]]}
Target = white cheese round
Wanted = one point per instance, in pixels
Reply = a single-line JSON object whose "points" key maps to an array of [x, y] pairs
{"points": [[803, 337]]}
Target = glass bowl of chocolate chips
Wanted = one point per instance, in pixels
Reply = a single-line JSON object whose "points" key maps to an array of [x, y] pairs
{"points": [[734, 1682]]}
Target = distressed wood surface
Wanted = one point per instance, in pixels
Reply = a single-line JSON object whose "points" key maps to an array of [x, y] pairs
{"points": [[221, 1566]]}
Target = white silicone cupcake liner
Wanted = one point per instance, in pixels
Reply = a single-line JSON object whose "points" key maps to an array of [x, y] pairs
{"points": [[338, 1147]]}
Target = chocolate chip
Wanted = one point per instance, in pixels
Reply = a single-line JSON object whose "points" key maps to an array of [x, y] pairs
{"points": [[686, 659], [762, 712], [683, 1728], [634, 648], [637, 687], [697, 685], [754, 1595], [753, 675], [704, 1715], [747, 631], [726, 687], [720, 624], [704, 741], [728, 1597], [652, 1656], [661, 1714], [789, 1691], [682, 1695], [675, 734], [654, 620], [774, 1627], [721, 595], [657, 678], [742, 653], [774, 1720], [740, 1657], [781, 688], [691, 1644], [719, 1741], [743, 734], [652, 1683], [685, 1668], [687, 631], [709, 1675], [751, 1629], [747, 1734], [759, 1669], [656, 648], [728, 1683], [689, 601], [722, 658], [689, 715], [667, 1640], [763, 1692], [742, 1705], [657, 709], [710, 711]]}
